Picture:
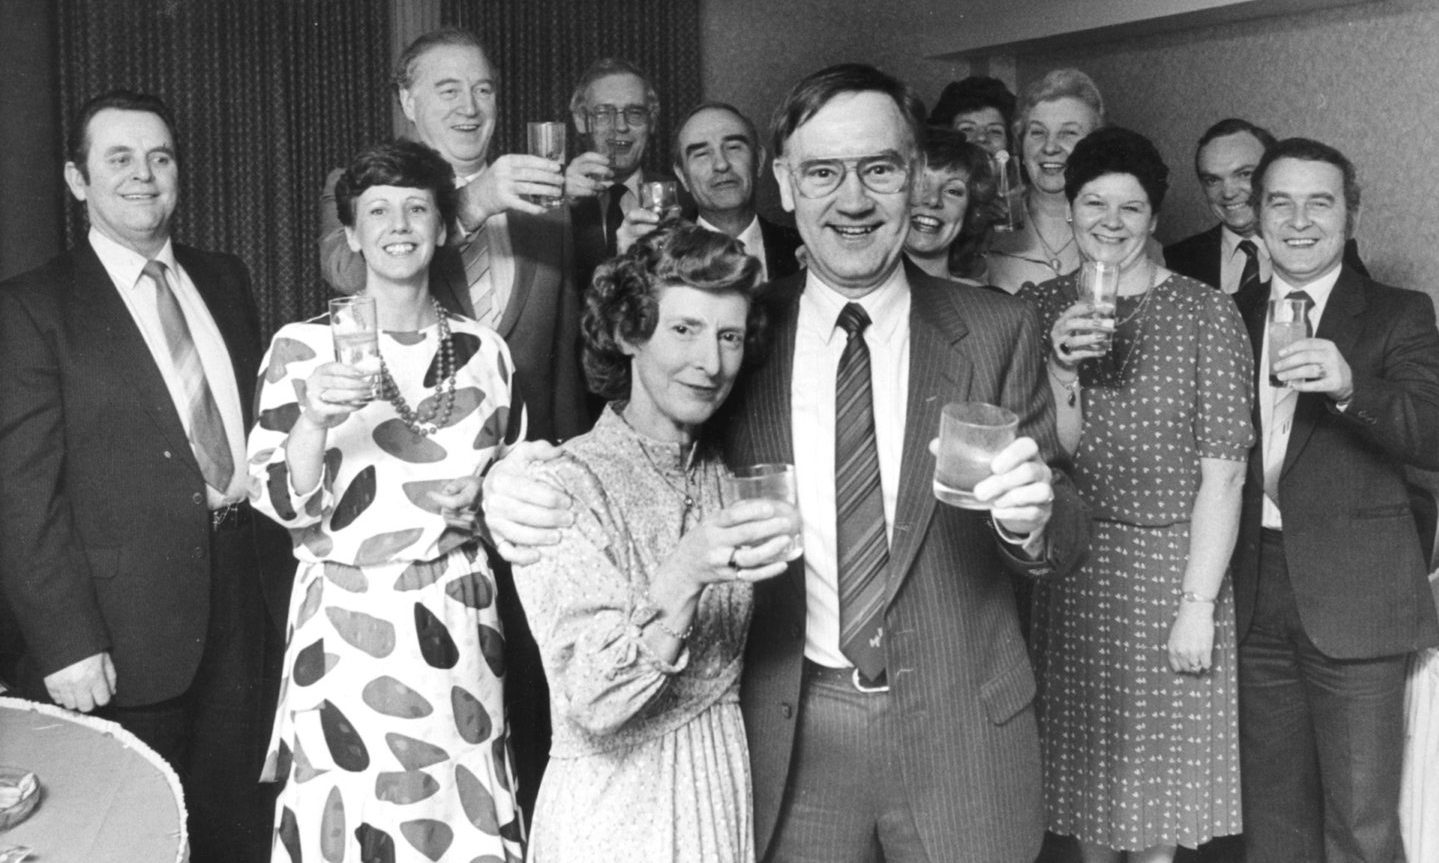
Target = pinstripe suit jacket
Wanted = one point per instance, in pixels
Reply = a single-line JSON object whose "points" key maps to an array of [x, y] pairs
{"points": [[959, 672]]}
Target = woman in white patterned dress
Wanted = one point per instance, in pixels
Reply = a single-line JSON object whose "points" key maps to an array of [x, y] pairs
{"points": [[642, 609], [390, 733]]}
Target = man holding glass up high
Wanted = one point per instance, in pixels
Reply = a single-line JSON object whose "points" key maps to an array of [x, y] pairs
{"points": [[1329, 571]]}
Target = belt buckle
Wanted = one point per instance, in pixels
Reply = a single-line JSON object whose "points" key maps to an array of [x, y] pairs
{"points": [[858, 682]]}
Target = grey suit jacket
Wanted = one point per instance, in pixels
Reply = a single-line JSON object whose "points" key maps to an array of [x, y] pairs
{"points": [[958, 667]]}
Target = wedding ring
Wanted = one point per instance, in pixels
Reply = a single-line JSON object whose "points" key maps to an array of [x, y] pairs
{"points": [[1064, 348], [732, 552]]}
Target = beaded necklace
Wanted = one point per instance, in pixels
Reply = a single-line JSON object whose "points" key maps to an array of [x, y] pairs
{"points": [[438, 415]]}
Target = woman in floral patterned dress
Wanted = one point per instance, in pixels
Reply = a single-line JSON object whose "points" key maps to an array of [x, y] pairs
{"points": [[390, 733], [642, 609]]}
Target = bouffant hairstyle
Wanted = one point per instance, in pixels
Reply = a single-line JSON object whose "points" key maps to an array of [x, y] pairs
{"points": [[622, 304], [974, 93], [1058, 84], [407, 164], [1115, 150]]}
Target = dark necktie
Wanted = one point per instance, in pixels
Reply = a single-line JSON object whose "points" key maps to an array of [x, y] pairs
{"points": [[207, 431], [863, 549], [1282, 417], [1249, 276], [614, 217]]}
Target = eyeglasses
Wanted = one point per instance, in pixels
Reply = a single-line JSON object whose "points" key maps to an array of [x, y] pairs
{"points": [[883, 174], [635, 115]]}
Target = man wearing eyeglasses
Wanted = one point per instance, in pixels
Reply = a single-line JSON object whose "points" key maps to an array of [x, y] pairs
{"points": [[887, 691], [615, 109]]}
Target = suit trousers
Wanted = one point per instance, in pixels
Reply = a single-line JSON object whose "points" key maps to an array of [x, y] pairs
{"points": [[846, 801], [1321, 739], [215, 733]]}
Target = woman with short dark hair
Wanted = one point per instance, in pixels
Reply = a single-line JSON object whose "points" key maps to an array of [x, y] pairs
{"points": [[390, 734], [1135, 654], [642, 608]]}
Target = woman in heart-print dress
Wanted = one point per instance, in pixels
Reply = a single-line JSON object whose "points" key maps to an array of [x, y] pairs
{"points": [[390, 734]]}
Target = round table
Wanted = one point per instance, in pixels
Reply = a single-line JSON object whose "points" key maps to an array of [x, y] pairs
{"points": [[106, 796]]}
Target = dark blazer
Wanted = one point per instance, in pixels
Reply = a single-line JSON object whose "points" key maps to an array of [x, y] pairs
{"points": [[957, 663], [1198, 256], [104, 524], [780, 243], [587, 228], [541, 323], [1353, 551]]}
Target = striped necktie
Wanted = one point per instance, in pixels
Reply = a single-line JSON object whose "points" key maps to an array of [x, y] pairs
{"points": [[1249, 276], [859, 504], [207, 431], [475, 254]]}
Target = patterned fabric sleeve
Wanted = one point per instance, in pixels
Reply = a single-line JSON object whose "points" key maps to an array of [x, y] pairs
{"points": [[287, 365], [1224, 370], [1048, 302], [588, 615]]}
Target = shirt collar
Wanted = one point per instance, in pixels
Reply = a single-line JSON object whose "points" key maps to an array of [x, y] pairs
{"points": [[461, 182], [748, 236], [886, 305], [1229, 241], [1318, 290], [123, 263]]}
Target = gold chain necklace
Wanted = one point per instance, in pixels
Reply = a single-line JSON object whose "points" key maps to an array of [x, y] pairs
{"points": [[1054, 262]]}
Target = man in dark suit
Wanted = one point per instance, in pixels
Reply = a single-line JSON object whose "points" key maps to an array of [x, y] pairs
{"points": [[887, 691], [128, 552], [717, 157], [507, 263], [615, 109], [1329, 571], [1224, 255]]}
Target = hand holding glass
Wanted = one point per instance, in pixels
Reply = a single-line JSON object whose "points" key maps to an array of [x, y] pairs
{"points": [[1287, 324], [661, 198], [355, 326], [971, 434], [774, 482], [546, 140], [1099, 287]]}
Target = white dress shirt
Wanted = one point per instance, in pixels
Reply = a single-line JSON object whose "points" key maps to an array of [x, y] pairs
{"points": [[818, 345], [124, 267], [752, 238], [1276, 439]]}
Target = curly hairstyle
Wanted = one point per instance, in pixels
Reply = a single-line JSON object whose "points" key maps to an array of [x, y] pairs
{"points": [[407, 164], [623, 301], [947, 150], [1115, 150], [1057, 84]]}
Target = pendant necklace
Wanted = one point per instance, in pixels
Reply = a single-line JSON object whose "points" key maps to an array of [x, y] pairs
{"points": [[687, 471], [1054, 262]]}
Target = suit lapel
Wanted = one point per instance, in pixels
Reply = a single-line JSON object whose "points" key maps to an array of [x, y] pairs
{"points": [[104, 324], [522, 236], [1339, 325], [939, 373]]}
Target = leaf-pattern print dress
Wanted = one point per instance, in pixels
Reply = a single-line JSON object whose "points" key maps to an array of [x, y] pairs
{"points": [[390, 733]]}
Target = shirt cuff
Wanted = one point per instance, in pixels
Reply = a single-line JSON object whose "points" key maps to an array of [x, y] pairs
{"points": [[1031, 544]]}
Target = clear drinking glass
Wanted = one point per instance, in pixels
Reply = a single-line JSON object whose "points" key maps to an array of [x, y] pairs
{"points": [[766, 482], [971, 434], [1287, 324], [355, 326], [1099, 286], [1009, 197], [546, 140], [660, 197]]}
